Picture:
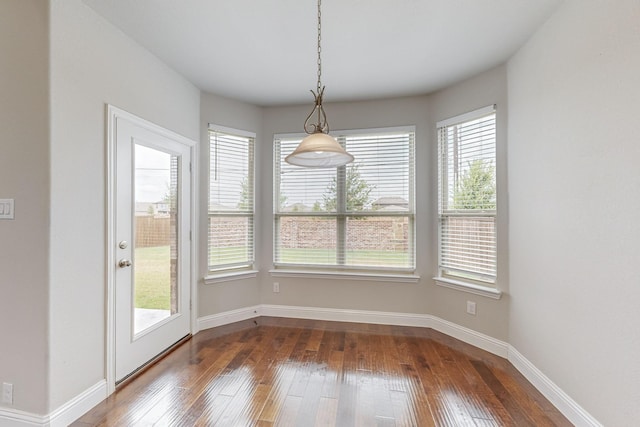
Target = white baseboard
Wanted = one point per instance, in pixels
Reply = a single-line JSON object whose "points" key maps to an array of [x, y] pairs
{"points": [[228, 317], [61, 417], [563, 402], [15, 418], [469, 336], [79, 405], [342, 315]]}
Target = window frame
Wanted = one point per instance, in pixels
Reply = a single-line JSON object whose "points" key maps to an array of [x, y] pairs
{"points": [[342, 215], [229, 271], [474, 281]]}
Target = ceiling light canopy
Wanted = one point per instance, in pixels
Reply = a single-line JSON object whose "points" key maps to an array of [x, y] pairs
{"points": [[319, 149]]}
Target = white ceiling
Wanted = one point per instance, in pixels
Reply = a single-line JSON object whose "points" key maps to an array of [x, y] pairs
{"points": [[264, 51]]}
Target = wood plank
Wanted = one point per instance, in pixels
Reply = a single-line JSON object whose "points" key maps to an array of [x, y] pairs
{"points": [[333, 376], [327, 412], [281, 375]]}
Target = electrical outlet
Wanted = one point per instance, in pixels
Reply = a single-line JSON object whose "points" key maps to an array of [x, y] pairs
{"points": [[471, 307], [276, 287], [7, 393], [6, 208]]}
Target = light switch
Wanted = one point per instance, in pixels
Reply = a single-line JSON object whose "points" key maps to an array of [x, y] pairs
{"points": [[6, 208]]}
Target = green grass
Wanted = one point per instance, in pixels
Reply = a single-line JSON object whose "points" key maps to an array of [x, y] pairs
{"points": [[227, 255], [374, 258], [152, 275]]}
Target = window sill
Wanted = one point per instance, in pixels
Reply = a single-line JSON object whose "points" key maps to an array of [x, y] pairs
{"points": [[471, 288], [374, 277], [230, 276]]}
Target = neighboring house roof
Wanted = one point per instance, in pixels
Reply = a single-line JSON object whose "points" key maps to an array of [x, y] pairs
{"points": [[297, 207], [383, 202], [393, 208], [143, 207]]}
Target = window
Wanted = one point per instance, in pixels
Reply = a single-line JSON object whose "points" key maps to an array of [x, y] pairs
{"points": [[231, 204], [358, 216], [467, 196]]}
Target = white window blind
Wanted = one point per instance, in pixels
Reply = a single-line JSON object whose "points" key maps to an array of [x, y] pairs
{"points": [[231, 199], [467, 196], [358, 216]]}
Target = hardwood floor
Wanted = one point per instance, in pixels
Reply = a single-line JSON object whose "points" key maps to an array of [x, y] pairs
{"points": [[288, 372]]}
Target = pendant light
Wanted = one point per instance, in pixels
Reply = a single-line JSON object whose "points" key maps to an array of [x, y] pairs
{"points": [[319, 149]]}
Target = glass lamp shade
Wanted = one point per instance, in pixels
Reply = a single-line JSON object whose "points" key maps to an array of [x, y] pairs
{"points": [[319, 150]]}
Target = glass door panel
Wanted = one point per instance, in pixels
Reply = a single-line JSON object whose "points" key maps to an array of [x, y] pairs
{"points": [[156, 237]]}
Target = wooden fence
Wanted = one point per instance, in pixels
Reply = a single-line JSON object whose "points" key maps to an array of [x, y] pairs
{"points": [[152, 231], [370, 233]]}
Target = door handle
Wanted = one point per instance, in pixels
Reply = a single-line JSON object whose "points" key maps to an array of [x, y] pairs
{"points": [[124, 263]]}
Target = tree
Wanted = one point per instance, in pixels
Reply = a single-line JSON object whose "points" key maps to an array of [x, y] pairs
{"points": [[283, 201], [170, 197], [244, 202], [477, 188], [357, 189]]}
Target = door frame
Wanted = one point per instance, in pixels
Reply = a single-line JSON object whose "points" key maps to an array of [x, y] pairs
{"points": [[113, 115]]}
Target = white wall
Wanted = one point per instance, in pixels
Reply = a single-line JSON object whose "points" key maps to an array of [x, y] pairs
{"points": [[574, 151], [24, 176], [225, 296], [93, 63]]}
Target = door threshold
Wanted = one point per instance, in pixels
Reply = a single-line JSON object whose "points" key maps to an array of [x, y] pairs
{"points": [[135, 374]]}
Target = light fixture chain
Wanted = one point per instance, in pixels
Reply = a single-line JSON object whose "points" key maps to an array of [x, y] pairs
{"points": [[319, 149], [322, 124], [319, 45]]}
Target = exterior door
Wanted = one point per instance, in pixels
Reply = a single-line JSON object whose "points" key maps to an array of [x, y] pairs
{"points": [[152, 243]]}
